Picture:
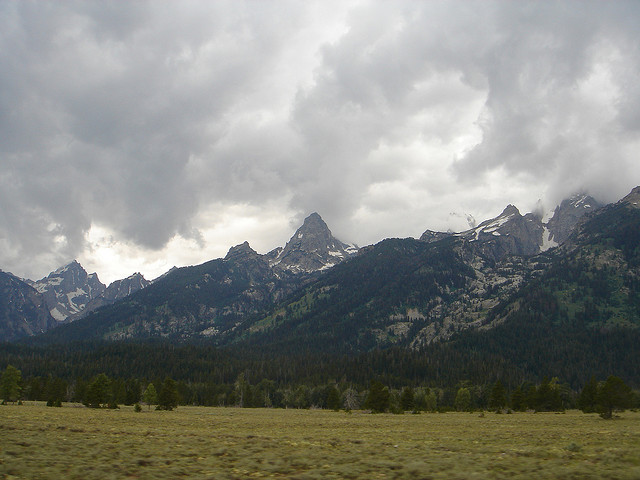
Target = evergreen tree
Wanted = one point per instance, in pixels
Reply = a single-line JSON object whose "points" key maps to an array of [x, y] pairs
{"points": [[518, 400], [242, 389], [10, 381], [547, 398], [98, 391], [150, 396], [498, 397], [407, 399], [587, 402], [333, 398], [378, 399], [132, 390], [613, 395], [56, 392], [168, 396]]}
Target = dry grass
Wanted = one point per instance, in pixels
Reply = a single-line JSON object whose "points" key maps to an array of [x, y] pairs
{"points": [[78, 443]]}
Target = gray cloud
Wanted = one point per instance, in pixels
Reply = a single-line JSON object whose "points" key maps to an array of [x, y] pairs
{"points": [[386, 117]]}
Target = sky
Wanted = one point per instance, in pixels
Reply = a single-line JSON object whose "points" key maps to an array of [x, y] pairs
{"points": [[135, 136]]}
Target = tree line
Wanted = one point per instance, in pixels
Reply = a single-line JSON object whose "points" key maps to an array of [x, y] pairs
{"points": [[101, 391]]}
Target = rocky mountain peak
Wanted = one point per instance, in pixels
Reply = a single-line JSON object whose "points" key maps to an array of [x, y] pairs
{"points": [[567, 214], [633, 199], [509, 211], [22, 310], [121, 288], [114, 292], [312, 247], [241, 251], [68, 290], [430, 236]]}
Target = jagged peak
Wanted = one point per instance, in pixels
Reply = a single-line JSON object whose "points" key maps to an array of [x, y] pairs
{"points": [[314, 222], [510, 210], [242, 249], [633, 198], [73, 265]]}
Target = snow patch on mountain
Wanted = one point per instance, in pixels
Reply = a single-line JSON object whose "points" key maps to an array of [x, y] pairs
{"points": [[547, 242]]}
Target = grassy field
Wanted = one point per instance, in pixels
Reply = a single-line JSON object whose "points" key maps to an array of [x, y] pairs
{"points": [[219, 443]]}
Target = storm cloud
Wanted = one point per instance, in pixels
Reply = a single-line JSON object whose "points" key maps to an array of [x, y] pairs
{"points": [[139, 135]]}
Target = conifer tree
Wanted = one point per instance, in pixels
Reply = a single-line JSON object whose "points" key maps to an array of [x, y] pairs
{"points": [[168, 396], [379, 398], [150, 395], [407, 399], [518, 400], [613, 395], [98, 391], [333, 398], [498, 397], [587, 402], [10, 384]]}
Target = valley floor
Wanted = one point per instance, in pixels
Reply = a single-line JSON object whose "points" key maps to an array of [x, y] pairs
{"points": [[37, 442]]}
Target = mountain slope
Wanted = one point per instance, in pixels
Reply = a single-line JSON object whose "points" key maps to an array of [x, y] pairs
{"points": [[408, 293], [23, 311], [311, 248], [511, 233], [68, 290], [116, 290], [399, 292], [210, 300]]}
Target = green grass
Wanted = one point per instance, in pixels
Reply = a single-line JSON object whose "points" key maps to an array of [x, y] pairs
{"points": [[196, 442]]}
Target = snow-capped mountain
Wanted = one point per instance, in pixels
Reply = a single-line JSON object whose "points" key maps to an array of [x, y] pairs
{"points": [[512, 233], [71, 293], [311, 248], [68, 290], [566, 216], [114, 292]]}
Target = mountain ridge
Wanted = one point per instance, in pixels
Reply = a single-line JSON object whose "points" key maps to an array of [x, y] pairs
{"points": [[246, 296]]}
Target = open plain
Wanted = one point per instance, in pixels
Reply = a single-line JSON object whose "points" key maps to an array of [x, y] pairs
{"points": [[74, 442]]}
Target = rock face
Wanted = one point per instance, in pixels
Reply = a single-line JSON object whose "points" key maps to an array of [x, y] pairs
{"points": [[568, 214], [311, 248], [115, 291], [68, 290], [214, 298], [633, 199], [430, 236], [511, 233], [23, 311]]}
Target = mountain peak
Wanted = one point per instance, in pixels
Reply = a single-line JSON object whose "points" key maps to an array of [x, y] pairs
{"points": [[311, 248], [241, 250], [68, 290], [633, 199], [567, 214], [74, 265], [509, 210], [314, 222], [314, 217]]}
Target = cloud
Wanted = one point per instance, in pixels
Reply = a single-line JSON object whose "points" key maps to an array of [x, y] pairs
{"points": [[152, 124]]}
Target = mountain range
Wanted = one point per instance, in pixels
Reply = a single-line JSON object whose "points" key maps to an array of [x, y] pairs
{"points": [[320, 292], [70, 293], [398, 292]]}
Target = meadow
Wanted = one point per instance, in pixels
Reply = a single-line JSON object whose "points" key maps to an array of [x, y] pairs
{"points": [[74, 442]]}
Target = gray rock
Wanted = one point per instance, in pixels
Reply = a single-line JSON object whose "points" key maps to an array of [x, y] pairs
{"points": [[116, 290], [568, 214], [23, 311], [68, 290], [311, 248]]}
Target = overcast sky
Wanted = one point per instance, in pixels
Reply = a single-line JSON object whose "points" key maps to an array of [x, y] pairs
{"points": [[135, 136]]}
